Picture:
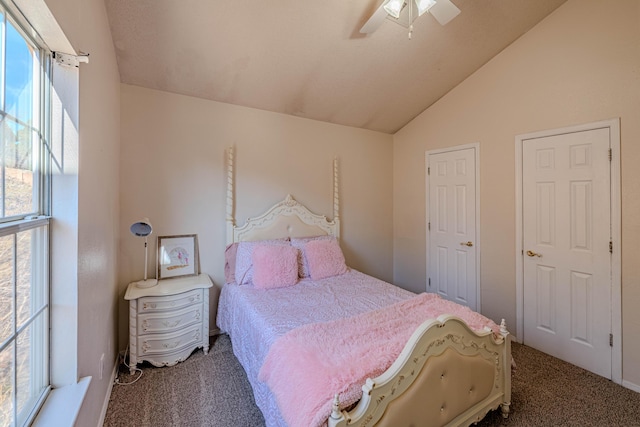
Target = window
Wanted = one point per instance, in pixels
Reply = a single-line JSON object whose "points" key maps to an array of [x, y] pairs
{"points": [[24, 226]]}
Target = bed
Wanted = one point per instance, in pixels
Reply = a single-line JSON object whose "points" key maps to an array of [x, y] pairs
{"points": [[341, 348]]}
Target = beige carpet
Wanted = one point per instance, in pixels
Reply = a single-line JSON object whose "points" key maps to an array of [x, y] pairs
{"points": [[213, 390]]}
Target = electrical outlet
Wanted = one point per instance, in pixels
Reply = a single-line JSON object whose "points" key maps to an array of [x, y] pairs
{"points": [[101, 366]]}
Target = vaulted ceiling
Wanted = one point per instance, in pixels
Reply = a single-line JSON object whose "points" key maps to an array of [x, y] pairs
{"points": [[307, 58]]}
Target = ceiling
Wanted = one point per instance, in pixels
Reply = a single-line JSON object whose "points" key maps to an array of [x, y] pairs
{"points": [[307, 58]]}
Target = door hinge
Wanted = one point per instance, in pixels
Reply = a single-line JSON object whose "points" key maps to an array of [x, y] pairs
{"points": [[610, 154], [429, 281], [429, 171], [429, 226], [610, 340], [610, 247]]}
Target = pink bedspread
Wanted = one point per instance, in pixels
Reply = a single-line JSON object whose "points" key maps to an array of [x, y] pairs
{"points": [[307, 366]]}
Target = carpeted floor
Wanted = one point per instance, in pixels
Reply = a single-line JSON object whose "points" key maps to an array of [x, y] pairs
{"points": [[213, 390]]}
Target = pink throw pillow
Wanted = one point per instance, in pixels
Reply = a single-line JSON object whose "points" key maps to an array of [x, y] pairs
{"points": [[324, 258], [299, 242], [274, 266], [244, 264]]}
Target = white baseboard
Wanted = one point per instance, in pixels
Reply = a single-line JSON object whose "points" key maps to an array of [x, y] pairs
{"points": [[631, 386], [112, 381]]}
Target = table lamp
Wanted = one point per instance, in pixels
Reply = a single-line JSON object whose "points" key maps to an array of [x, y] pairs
{"points": [[143, 228]]}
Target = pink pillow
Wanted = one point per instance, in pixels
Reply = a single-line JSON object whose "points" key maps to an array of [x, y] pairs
{"points": [[325, 259], [299, 242], [274, 266], [244, 264]]}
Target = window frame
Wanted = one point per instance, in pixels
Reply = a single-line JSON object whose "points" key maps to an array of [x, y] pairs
{"points": [[40, 265], [45, 63]]}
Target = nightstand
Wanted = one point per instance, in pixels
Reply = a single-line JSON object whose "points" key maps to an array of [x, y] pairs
{"points": [[168, 321]]}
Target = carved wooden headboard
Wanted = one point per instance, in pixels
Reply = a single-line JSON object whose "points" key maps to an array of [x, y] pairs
{"points": [[287, 218]]}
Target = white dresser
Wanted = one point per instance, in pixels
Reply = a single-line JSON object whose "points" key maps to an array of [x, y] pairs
{"points": [[168, 321]]}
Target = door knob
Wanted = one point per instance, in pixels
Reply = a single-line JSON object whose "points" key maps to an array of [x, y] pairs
{"points": [[467, 244], [531, 253]]}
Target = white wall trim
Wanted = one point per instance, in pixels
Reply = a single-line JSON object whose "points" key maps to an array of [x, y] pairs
{"points": [[107, 397], [519, 247], [64, 226], [476, 147], [616, 258], [631, 386]]}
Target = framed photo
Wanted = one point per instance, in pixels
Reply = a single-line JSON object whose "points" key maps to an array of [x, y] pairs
{"points": [[177, 256]]}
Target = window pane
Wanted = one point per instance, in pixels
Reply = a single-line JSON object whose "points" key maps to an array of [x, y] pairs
{"points": [[24, 285], [19, 84], [17, 153], [6, 386], [6, 287], [2, 25], [25, 303], [31, 366]]}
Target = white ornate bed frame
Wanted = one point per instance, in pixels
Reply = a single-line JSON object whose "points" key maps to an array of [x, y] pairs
{"points": [[446, 375]]}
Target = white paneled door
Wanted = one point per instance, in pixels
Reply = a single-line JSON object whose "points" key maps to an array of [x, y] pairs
{"points": [[452, 234], [566, 219]]}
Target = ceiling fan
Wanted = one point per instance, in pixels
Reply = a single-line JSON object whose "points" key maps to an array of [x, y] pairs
{"points": [[404, 12]]}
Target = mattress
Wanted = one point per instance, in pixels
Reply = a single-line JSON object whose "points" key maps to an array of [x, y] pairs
{"points": [[255, 318]]}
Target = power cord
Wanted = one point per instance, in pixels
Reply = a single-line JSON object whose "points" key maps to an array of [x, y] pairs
{"points": [[124, 360]]}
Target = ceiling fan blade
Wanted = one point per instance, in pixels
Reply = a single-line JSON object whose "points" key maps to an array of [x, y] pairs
{"points": [[444, 11], [375, 21]]}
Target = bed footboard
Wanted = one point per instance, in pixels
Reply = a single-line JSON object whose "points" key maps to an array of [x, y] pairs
{"points": [[446, 375]]}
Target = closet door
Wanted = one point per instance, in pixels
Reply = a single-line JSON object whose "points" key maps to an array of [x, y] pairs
{"points": [[452, 244], [566, 207]]}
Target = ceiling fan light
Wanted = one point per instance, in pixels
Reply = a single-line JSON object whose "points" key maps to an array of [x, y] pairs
{"points": [[394, 7], [424, 5]]}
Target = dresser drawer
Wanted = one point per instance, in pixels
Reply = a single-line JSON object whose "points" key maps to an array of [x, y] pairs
{"points": [[164, 343], [151, 323], [169, 302], [167, 322]]}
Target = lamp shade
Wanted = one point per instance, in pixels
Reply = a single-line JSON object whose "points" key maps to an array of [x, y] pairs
{"points": [[141, 228], [424, 5], [394, 7]]}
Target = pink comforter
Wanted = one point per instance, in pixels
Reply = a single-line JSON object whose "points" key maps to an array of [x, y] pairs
{"points": [[307, 366]]}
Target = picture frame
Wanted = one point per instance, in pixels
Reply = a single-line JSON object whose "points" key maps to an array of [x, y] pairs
{"points": [[178, 256]]}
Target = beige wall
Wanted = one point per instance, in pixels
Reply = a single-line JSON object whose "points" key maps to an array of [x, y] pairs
{"points": [[85, 25], [580, 65], [173, 171]]}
